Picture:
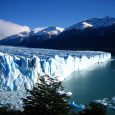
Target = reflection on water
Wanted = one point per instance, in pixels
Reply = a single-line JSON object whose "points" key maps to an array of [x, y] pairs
{"points": [[97, 82]]}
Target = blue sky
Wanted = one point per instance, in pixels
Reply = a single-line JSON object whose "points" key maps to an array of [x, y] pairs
{"points": [[63, 13]]}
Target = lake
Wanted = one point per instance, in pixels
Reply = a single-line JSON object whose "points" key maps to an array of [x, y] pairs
{"points": [[97, 82]]}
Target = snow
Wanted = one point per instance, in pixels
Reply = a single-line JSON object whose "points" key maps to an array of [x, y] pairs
{"points": [[18, 37], [47, 30], [19, 67], [86, 25], [40, 31], [36, 30], [94, 22], [12, 100], [60, 29]]}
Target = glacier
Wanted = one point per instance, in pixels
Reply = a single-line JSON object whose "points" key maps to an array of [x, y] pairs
{"points": [[19, 67]]}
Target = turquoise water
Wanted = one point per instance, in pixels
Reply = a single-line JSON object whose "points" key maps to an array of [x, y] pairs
{"points": [[97, 82]]}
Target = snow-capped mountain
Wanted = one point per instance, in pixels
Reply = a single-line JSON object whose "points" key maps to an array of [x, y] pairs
{"points": [[36, 34], [101, 31], [94, 22], [48, 30], [20, 35], [16, 39]]}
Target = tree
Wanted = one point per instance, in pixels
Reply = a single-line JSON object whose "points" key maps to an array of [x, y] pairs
{"points": [[94, 109], [45, 98], [6, 111]]}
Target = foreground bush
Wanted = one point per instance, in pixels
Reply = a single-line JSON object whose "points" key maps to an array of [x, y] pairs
{"points": [[45, 98], [6, 111]]}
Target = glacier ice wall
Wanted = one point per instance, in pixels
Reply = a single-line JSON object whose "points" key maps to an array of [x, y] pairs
{"points": [[18, 72]]}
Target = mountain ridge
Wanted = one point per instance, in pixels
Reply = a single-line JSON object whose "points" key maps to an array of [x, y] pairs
{"points": [[96, 37]]}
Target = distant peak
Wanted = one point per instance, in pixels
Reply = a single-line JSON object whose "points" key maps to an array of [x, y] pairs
{"points": [[55, 28], [86, 25], [36, 30], [94, 22], [61, 29], [47, 30]]}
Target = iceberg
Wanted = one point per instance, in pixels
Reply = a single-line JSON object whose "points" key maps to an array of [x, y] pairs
{"points": [[107, 102], [21, 67], [77, 107]]}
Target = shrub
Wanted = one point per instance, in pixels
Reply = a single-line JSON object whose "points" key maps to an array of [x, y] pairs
{"points": [[45, 98]]}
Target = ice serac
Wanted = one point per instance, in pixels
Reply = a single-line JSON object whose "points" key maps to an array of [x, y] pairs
{"points": [[18, 72]]}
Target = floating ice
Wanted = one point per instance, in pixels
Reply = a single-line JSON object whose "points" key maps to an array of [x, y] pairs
{"points": [[110, 103]]}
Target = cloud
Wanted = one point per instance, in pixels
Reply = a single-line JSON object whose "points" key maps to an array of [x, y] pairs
{"points": [[8, 28]]}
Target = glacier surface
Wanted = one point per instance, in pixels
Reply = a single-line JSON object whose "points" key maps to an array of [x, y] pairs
{"points": [[19, 67]]}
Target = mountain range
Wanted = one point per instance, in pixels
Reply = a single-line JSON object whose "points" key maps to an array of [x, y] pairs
{"points": [[94, 34]]}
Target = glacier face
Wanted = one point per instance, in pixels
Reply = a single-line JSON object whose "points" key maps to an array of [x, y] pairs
{"points": [[19, 67]]}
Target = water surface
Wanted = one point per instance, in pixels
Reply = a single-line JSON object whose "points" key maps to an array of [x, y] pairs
{"points": [[97, 82]]}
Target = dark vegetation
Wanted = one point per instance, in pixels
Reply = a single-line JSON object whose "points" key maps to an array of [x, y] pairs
{"points": [[45, 99], [6, 111]]}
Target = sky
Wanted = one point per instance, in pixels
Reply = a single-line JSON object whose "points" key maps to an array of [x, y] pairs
{"points": [[24, 15], [62, 13]]}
